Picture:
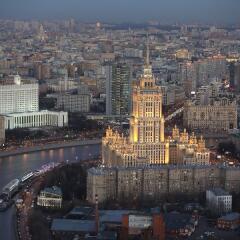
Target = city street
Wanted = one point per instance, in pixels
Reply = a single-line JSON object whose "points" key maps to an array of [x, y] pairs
{"points": [[30, 195]]}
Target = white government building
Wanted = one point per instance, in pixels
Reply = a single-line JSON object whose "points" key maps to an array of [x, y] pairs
{"points": [[19, 96], [36, 119], [19, 104]]}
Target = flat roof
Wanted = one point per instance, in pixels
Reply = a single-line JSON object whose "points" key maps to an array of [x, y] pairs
{"points": [[176, 220], [219, 192], [107, 235], [69, 225], [230, 217], [53, 190], [104, 170], [100, 170], [81, 211], [114, 216]]}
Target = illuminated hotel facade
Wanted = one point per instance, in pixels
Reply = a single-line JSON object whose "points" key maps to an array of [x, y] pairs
{"points": [[146, 143]]}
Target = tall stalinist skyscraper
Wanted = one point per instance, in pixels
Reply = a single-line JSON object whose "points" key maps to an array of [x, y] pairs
{"points": [[147, 121], [146, 144]]}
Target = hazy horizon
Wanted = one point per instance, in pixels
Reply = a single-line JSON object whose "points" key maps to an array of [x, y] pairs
{"points": [[186, 11]]}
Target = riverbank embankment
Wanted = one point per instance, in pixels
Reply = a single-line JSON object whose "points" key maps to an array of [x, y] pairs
{"points": [[50, 147]]}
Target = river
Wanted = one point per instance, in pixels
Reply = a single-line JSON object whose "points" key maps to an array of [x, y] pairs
{"points": [[16, 166]]}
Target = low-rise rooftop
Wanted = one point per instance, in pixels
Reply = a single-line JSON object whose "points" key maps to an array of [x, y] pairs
{"points": [[69, 225], [230, 217], [80, 211], [113, 216], [175, 221], [53, 190], [219, 192]]}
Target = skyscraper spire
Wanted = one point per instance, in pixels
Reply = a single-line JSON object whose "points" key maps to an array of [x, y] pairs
{"points": [[147, 53], [147, 71]]}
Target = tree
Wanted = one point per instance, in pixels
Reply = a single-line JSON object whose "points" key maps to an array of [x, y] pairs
{"points": [[72, 180], [38, 226], [80, 122]]}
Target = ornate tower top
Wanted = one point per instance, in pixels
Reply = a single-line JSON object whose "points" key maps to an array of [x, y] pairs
{"points": [[184, 136], [193, 139], [175, 133], [201, 144], [147, 80]]}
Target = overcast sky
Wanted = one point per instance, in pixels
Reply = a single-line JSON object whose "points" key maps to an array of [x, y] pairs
{"points": [[214, 11]]}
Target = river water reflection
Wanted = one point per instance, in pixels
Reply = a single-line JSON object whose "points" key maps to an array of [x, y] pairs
{"points": [[16, 166]]}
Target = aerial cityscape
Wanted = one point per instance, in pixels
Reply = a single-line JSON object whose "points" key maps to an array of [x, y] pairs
{"points": [[119, 120]]}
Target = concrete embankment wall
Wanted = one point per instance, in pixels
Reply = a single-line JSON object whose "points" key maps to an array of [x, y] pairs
{"points": [[49, 147]]}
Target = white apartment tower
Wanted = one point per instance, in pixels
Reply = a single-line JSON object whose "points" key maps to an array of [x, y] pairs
{"points": [[219, 201]]}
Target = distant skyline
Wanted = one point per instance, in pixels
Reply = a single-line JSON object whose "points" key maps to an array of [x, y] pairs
{"points": [[186, 11]]}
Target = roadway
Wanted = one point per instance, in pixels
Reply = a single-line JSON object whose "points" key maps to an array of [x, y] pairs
{"points": [[174, 114]]}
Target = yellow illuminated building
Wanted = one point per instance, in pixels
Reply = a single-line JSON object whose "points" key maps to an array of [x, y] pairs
{"points": [[146, 143], [186, 149]]}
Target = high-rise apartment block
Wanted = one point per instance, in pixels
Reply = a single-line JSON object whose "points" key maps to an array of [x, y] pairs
{"points": [[172, 94], [202, 72], [73, 102], [188, 77], [159, 181], [118, 89], [211, 68], [237, 76]]}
